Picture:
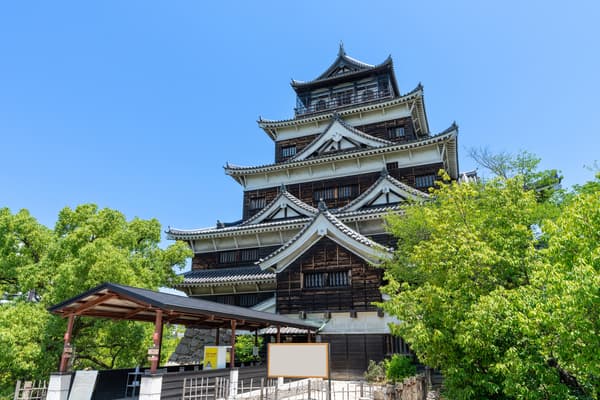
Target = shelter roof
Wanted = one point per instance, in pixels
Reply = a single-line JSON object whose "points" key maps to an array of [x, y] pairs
{"points": [[115, 301]]}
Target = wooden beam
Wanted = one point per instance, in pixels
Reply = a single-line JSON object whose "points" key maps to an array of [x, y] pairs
{"points": [[134, 312], [94, 302], [232, 357], [157, 340], [67, 349], [278, 334]]}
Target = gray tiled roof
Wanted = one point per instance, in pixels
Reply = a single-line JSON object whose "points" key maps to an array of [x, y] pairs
{"points": [[232, 168], [338, 224], [336, 117], [284, 193], [249, 274]]}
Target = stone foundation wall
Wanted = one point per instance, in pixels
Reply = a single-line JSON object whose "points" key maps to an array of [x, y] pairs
{"points": [[190, 349]]}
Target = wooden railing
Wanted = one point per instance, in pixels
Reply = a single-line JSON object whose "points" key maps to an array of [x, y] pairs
{"points": [[342, 100]]}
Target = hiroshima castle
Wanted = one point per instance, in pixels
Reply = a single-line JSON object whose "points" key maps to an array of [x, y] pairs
{"points": [[312, 230]]}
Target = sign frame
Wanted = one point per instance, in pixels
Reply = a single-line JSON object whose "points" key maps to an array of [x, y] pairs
{"points": [[303, 354]]}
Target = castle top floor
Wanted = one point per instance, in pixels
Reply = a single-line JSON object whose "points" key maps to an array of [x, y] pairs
{"points": [[346, 83]]}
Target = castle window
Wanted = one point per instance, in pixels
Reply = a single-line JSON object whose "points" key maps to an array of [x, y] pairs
{"points": [[321, 105], [227, 257], [325, 194], [248, 300], [334, 279], [391, 165], [348, 191], [249, 255], [288, 151], [424, 181], [396, 132], [367, 95], [257, 203]]}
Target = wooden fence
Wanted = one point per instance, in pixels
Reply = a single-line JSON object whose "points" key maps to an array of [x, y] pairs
{"points": [[31, 390]]}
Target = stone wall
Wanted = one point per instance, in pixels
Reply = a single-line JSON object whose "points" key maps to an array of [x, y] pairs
{"points": [[190, 349]]}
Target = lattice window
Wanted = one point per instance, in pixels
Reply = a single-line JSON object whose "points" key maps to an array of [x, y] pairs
{"points": [[326, 279], [396, 132], [325, 194], [227, 257], [348, 191], [249, 255], [257, 203], [248, 300], [424, 181], [288, 151]]}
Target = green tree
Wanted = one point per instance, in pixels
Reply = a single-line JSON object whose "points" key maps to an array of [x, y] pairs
{"points": [[88, 246], [482, 300]]}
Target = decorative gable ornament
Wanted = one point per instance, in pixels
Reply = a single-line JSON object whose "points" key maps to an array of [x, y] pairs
{"points": [[325, 224], [339, 136], [284, 206]]}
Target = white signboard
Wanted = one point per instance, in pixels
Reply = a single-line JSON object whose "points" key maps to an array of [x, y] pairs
{"points": [[83, 385], [298, 360]]}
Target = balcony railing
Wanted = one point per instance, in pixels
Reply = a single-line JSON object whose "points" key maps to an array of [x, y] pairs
{"points": [[342, 100]]}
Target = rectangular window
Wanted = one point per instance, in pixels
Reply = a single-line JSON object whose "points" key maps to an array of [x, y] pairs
{"points": [[326, 279], [227, 257], [396, 132], [424, 181], [348, 191], [249, 255], [257, 203], [288, 151], [325, 194], [391, 165], [248, 300]]}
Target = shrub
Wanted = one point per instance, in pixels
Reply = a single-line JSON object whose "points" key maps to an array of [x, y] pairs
{"points": [[375, 372], [399, 367]]}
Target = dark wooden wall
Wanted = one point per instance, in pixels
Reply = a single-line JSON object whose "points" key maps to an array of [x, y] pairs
{"points": [[304, 191], [300, 144], [379, 129], [351, 353], [325, 256], [211, 260]]}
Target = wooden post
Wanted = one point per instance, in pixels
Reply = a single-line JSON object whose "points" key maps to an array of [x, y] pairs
{"points": [[309, 336], [217, 338], [157, 340], [278, 334], [67, 349], [232, 353]]}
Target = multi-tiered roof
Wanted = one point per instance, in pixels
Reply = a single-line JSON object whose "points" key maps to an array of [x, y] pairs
{"points": [[355, 150]]}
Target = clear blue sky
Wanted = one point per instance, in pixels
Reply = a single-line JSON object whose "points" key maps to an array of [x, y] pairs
{"points": [[137, 105]]}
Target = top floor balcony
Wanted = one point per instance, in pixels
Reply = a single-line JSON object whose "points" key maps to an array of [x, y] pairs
{"points": [[339, 100]]}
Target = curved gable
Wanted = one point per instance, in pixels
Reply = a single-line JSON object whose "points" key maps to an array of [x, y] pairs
{"points": [[339, 137], [284, 206], [323, 225], [386, 191]]}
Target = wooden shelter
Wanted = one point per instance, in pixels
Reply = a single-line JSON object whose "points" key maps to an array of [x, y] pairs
{"points": [[120, 302]]}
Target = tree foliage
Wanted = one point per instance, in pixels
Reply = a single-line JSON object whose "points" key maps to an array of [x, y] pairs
{"points": [[88, 246], [503, 312]]}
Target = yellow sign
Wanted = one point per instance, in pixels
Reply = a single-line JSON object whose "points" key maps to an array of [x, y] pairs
{"points": [[210, 357]]}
